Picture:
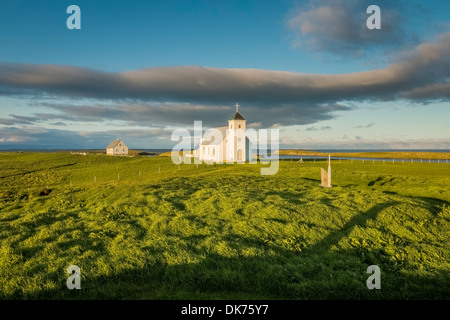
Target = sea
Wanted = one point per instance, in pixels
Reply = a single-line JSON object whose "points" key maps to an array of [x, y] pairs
{"points": [[266, 154]]}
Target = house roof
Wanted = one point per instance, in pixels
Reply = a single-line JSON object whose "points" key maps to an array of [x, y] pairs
{"points": [[114, 144], [211, 139], [237, 116]]}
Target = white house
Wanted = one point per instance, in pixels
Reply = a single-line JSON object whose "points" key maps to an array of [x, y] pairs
{"points": [[225, 144], [117, 148]]}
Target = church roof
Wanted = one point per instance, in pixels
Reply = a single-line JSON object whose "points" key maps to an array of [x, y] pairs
{"points": [[210, 139], [237, 116]]}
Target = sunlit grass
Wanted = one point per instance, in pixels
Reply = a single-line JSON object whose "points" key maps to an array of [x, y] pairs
{"points": [[144, 228]]}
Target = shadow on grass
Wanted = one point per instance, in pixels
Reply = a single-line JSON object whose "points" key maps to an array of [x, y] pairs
{"points": [[279, 273]]}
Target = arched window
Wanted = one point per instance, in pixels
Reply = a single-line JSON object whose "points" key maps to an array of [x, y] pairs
{"points": [[239, 126], [231, 126], [214, 151], [239, 155]]}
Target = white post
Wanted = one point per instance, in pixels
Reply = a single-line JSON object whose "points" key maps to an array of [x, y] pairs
{"points": [[329, 171]]}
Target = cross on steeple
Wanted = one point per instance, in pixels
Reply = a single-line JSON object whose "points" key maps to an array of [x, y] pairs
{"points": [[237, 107]]}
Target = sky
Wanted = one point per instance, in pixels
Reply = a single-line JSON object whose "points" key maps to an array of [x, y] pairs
{"points": [[138, 70]]}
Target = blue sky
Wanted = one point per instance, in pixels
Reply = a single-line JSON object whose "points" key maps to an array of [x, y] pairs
{"points": [[139, 69]]}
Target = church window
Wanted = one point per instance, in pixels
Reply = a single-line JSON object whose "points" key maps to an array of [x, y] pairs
{"points": [[239, 155], [239, 126], [231, 126]]}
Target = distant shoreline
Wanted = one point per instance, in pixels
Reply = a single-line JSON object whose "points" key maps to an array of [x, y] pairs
{"points": [[361, 153], [435, 155]]}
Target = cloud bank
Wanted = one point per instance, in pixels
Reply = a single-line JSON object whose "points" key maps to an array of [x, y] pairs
{"points": [[186, 93]]}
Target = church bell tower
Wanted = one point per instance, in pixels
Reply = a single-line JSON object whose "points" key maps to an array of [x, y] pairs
{"points": [[236, 141]]}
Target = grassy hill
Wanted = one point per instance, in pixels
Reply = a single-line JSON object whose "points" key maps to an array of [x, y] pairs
{"points": [[144, 228]]}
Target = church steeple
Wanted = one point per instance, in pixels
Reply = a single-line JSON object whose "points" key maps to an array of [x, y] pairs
{"points": [[236, 139], [237, 115]]}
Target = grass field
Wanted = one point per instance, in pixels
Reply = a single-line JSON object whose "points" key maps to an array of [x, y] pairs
{"points": [[144, 228]]}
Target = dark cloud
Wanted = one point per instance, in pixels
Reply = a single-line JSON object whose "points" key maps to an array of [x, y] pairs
{"points": [[365, 126], [167, 114], [180, 95], [339, 26], [318, 129], [40, 138]]}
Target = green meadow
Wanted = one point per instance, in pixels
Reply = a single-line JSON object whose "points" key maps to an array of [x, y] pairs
{"points": [[145, 228]]}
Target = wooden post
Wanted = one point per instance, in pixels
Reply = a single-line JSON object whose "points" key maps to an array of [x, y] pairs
{"points": [[373, 161], [420, 160], [383, 161], [352, 161], [392, 161], [314, 160], [363, 161]]}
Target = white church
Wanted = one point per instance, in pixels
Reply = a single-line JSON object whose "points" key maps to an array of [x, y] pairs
{"points": [[225, 144]]}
